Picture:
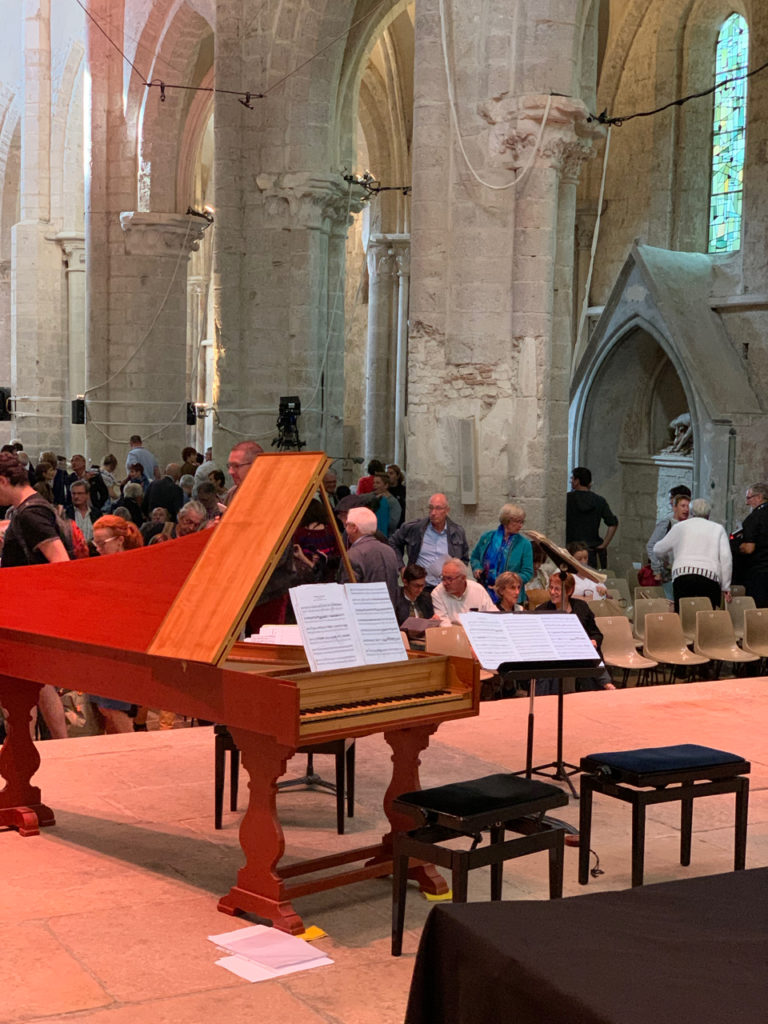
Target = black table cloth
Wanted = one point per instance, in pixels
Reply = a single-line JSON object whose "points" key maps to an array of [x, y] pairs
{"points": [[686, 952]]}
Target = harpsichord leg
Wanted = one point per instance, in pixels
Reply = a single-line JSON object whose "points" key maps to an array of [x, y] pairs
{"points": [[260, 889], [407, 745], [20, 806]]}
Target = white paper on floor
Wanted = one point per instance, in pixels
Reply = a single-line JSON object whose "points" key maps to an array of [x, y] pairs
{"points": [[261, 952]]}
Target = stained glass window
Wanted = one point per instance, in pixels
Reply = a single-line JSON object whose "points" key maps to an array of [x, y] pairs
{"points": [[728, 131]]}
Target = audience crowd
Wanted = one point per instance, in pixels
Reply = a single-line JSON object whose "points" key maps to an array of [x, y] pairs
{"points": [[54, 512]]}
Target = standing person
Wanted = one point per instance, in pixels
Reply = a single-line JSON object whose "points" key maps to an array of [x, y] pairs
{"points": [[457, 594], [189, 461], [372, 561], [131, 499], [108, 469], [45, 472], [504, 549], [241, 458], [397, 485], [165, 492], [754, 544], [584, 511], [81, 511], [385, 505], [701, 556], [680, 502], [98, 489], [145, 458], [432, 540], [32, 539], [365, 483]]}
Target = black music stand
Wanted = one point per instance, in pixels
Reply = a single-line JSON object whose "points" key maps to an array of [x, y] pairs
{"points": [[561, 770]]}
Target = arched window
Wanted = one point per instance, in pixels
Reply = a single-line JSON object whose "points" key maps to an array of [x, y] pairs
{"points": [[728, 133]]}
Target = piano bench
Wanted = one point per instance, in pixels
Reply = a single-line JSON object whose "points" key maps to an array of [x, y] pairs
{"points": [[343, 750], [495, 803], [654, 775]]}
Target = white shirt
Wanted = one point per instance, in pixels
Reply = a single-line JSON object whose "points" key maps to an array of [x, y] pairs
{"points": [[474, 599], [700, 547]]}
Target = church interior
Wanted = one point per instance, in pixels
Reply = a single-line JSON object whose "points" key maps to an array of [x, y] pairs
{"points": [[488, 242]]}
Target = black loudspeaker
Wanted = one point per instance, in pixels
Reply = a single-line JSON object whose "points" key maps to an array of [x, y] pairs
{"points": [[191, 414], [5, 398], [78, 410]]}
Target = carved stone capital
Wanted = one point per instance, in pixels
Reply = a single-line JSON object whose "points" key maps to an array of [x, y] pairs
{"points": [[311, 201], [382, 261], [72, 250], [161, 234], [515, 124]]}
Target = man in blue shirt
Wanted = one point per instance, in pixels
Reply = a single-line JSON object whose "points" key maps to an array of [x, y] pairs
{"points": [[432, 540]]}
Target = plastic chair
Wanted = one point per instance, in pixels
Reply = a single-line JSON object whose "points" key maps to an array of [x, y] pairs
{"points": [[736, 609], [665, 643], [644, 608], [689, 606], [737, 590], [619, 650], [716, 640], [756, 632], [453, 641], [648, 593], [607, 608], [619, 585]]}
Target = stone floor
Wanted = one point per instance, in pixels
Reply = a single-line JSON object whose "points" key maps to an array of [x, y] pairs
{"points": [[104, 918]]}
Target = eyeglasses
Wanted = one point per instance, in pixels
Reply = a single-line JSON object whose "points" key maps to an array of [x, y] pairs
{"points": [[101, 542], [237, 465], [452, 579]]}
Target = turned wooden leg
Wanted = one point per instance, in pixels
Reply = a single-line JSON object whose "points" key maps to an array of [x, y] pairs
{"points": [[20, 804], [260, 889]]}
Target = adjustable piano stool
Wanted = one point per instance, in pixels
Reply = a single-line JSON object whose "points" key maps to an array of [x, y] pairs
{"points": [[466, 809], [655, 775]]}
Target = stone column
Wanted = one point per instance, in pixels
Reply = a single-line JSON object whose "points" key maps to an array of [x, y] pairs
{"points": [[5, 336], [39, 365], [403, 253], [380, 355], [282, 330], [73, 254], [145, 385]]}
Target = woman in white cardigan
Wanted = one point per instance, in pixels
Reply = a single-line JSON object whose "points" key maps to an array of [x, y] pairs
{"points": [[701, 556]]}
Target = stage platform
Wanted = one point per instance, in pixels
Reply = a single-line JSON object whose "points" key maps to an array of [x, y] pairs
{"points": [[104, 918]]}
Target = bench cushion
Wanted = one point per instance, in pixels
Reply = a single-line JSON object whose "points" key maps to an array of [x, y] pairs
{"points": [[683, 757], [481, 796]]}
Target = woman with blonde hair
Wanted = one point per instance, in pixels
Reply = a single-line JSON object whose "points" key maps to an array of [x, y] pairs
{"points": [[504, 549]]}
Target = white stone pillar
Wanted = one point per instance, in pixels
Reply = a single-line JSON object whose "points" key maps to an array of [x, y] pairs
{"points": [[403, 251], [73, 253], [145, 386], [39, 363], [380, 355]]}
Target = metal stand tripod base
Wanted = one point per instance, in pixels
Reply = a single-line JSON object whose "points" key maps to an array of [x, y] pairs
{"points": [[310, 781]]}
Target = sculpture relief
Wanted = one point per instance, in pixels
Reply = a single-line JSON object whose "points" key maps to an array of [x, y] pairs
{"points": [[682, 435]]}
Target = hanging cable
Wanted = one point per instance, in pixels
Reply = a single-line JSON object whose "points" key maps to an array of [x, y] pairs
{"points": [[595, 235], [520, 176]]}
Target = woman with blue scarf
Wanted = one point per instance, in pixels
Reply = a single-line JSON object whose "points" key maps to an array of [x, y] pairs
{"points": [[504, 549]]}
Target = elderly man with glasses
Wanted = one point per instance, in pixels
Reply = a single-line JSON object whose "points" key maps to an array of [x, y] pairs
{"points": [[241, 458], [456, 594], [754, 544], [431, 540]]}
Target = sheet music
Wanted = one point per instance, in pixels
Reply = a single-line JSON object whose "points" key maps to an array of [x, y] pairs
{"points": [[526, 638], [375, 617], [278, 634], [327, 628], [346, 625]]}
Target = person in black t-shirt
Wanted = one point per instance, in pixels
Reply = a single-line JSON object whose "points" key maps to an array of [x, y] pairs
{"points": [[32, 538], [754, 544]]}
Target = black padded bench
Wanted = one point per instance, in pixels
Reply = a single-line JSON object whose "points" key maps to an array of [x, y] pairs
{"points": [[654, 775], [494, 803]]}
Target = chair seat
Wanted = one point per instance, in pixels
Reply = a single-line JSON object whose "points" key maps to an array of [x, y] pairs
{"points": [[648, 766], [472, 806]]}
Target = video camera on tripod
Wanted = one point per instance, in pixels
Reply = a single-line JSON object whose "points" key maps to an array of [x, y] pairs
{"points": [[288, 413]]}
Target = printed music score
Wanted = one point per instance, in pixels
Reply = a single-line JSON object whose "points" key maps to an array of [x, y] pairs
{"points": [[528, 640], [343, 625]]}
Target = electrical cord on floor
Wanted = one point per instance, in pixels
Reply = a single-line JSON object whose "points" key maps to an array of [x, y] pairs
{"points": [[596, 870]]}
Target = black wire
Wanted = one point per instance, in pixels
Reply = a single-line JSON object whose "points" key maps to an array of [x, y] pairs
{"points": [[618, 121]]}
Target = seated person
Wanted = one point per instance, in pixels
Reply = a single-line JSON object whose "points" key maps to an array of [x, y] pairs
{"points": [[584, 587], [508, 586], [562, 600], [456, 594], [412, 600]]}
